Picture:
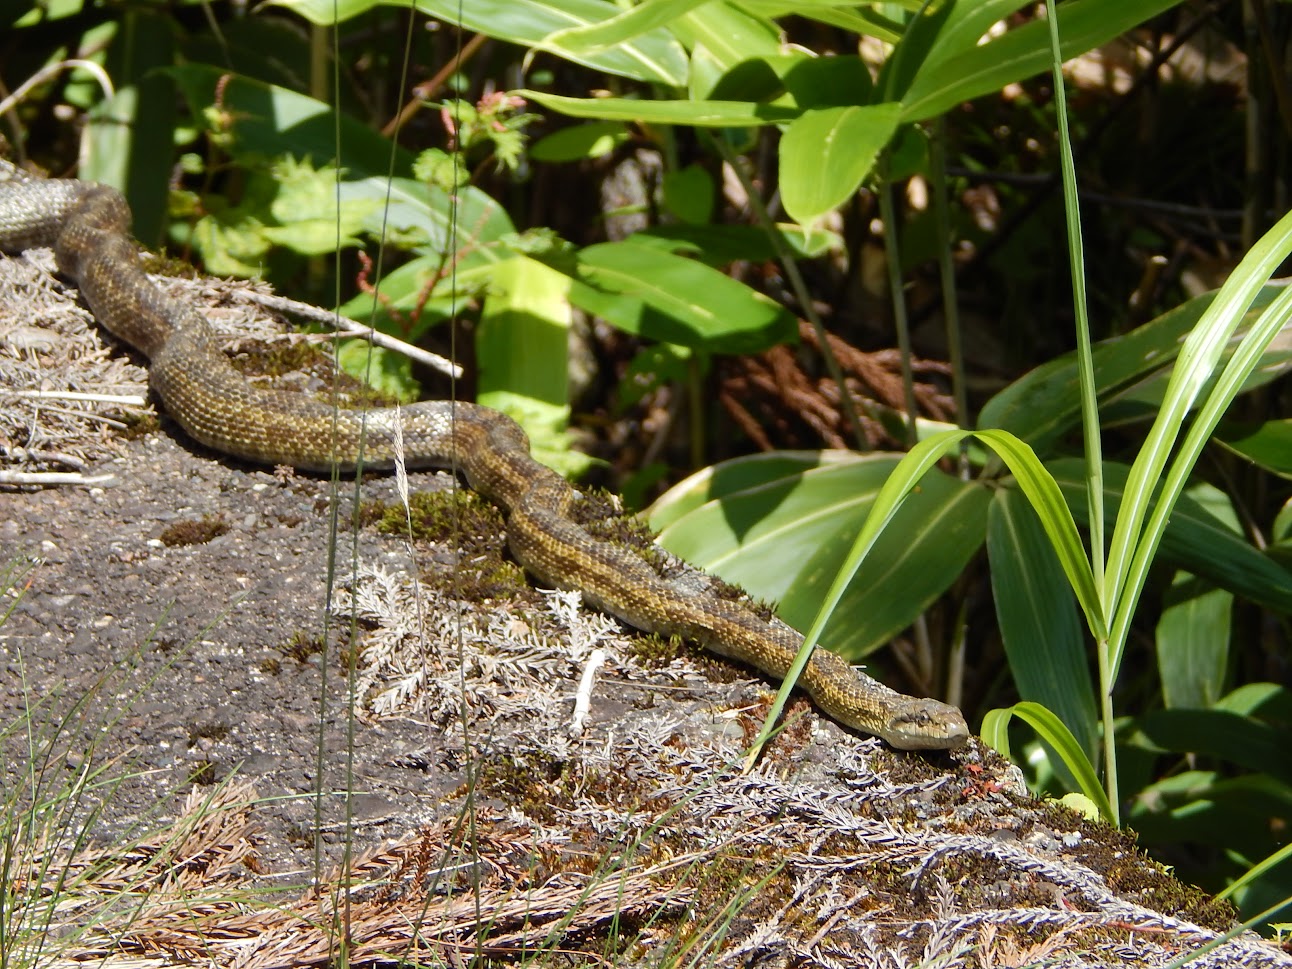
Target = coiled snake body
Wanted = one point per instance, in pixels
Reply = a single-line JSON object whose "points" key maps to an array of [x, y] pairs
{"points": [[88, 226]]}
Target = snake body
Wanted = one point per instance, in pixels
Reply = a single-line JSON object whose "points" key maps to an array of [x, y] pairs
{"points": [[88, 227]]}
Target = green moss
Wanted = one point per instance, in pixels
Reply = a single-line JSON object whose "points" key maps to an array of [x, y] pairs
{"points": [[279, 357], [160, 264], [138, 424], [301, 645], [207, 730], [459, 519]]}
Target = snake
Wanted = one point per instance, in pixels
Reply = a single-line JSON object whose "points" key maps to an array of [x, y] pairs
{"points": [[88, 226]]}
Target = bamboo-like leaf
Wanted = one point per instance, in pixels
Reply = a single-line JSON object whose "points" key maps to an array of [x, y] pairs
{"points": [[846, 15], [995, 733], [1229, 737], [728, 35], [1194, 540], [753, 472], [673, 299], [592, 140], [654, 57], [955, 72], [1192, 640], [1039, 625], [592, 38], [1133, 545], [710, 114], [1055, 517], [1267, 444], [784, 537], [827, 152]]}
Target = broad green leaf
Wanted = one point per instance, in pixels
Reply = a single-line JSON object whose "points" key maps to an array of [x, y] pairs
{"points": [[688, 194], [128, 142], [311, 219], [837, 13], [1267, 444], [1039, 623], [591, 140], [523, 338], [942, 82], [713, 114], [1142, 401], [781, 532], [325, 13], [932, 539], [383, 370], [427, 220], [827, 152], [1194, 540], [909, 55], [401, 294], [1205, 808], [752, 79], [1229, 737], [728, 478], [1192, 642], [673, 299], [727, 33], [907, 477], [267, 121], [654, 57], [719, 245], [627, 24], [995, 733], [823, 82], [1265, 701], [1043, 404], [968, 24], [522, 356]]}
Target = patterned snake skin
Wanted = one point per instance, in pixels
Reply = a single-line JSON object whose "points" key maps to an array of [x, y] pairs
{"points": [[88, 226]]}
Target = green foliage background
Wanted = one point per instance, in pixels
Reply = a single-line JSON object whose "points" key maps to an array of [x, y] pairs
{"points": [[455, 170]]}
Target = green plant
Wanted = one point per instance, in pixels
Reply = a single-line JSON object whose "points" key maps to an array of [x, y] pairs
{"points": [[254, 142]]}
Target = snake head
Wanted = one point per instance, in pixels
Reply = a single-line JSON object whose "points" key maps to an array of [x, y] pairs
{"points": [[926, 725]]}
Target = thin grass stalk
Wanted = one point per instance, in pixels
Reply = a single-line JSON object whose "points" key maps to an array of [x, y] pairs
{"points": [[1093, 445], [785, 255], [901, 323], [947, 278]]}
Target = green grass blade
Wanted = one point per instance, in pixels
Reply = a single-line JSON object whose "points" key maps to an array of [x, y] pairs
{"points": [[1257, 871], [1194, 369], [1038, 619], [1264, 257], [1035, 482], [1050, 728], [1056, 518]]}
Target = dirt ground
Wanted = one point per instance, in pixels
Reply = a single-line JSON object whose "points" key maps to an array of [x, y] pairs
{"points": [[168, 631]]}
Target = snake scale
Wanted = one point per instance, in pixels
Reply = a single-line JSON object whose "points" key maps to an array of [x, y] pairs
{"points": [[88, 227]]}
